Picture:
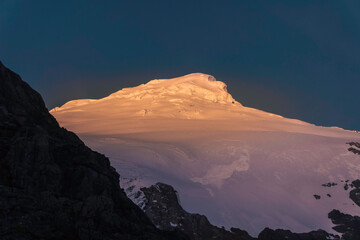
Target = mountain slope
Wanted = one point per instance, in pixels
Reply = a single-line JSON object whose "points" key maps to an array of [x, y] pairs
{"points": [[163, 209], [51, 185], [162, 206], [238, 166]]}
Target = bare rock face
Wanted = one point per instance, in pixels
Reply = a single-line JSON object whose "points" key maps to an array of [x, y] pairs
{"points": [[355, 193], [51, 185], [162, 207], [280, 234], [346, 224]]}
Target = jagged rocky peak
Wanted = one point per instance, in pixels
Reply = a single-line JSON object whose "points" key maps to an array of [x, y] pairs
{"points": [[51, 185]]}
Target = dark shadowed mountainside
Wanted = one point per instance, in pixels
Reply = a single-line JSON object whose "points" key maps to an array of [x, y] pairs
{"points": [[51, 185]]}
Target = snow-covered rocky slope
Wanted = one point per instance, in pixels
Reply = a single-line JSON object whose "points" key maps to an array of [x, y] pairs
{"points": [[239, 166]]}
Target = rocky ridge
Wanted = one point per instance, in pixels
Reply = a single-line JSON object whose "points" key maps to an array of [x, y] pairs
{"points": [[52, 186], [161, 205]]}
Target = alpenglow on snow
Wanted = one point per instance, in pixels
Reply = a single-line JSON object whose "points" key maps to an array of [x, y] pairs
{"points": [[237, 165]]}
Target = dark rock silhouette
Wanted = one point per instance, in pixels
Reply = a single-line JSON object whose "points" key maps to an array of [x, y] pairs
{"points": [[346, 224], [279, 234], [355, 193], [51, 185], [317, 197], [163, 208]]}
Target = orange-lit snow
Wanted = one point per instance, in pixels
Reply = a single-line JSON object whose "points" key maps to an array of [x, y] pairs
{"points": [[239, 166]]}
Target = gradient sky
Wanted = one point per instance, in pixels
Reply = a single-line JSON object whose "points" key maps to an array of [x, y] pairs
{"points": [[299, 59]]}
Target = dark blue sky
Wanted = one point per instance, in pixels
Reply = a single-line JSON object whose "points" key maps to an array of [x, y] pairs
{"points": [[299, 59]]}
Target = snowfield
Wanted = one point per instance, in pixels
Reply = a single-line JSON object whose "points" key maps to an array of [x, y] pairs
{"points": [[239, 166]]}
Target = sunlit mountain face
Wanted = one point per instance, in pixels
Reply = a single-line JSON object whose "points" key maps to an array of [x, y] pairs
{"points": [[239, 166]]}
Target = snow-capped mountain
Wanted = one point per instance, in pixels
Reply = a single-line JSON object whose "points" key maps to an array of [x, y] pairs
{"points": [[239, 166]]}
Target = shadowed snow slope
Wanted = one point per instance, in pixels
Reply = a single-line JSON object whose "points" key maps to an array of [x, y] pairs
{"points": [[239, 166]]}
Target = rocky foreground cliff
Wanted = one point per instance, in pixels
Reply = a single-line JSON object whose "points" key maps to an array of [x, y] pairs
{"points": [[51, 185]]}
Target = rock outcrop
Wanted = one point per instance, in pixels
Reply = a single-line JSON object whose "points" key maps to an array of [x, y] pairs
{"points": [[163, 208], [51, 185], [161, 205], [354, 147], [280, 234], [355, 193], [346, 224]]}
